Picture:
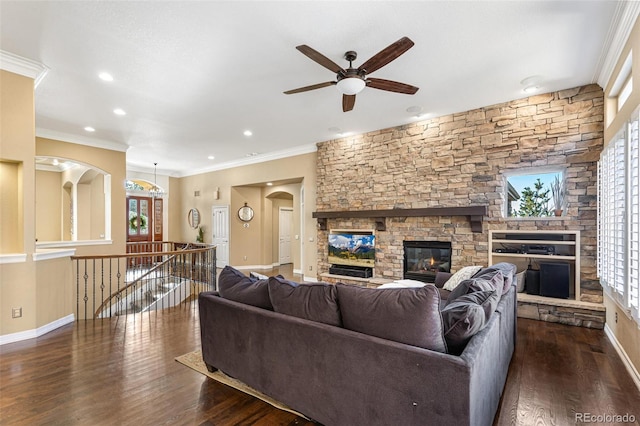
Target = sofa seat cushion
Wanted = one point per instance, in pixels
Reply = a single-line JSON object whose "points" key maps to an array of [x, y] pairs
{"points": [[466, 316], [236, 286], [315, 301], [405, 315]]}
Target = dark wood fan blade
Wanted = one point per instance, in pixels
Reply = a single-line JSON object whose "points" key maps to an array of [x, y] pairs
{"points": [[348, 101], [312, 87], [386, 55], [391, 86], [320, 58]]}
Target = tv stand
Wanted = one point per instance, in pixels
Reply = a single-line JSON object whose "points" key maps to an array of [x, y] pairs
{"points": [[351, 271]]}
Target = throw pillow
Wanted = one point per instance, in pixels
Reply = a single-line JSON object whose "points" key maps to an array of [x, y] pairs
{"points": [[402, 284], [405, 315], [466, 316], [490, 281], [258, 276], [316, 302], [463, 274], [236, 286]]}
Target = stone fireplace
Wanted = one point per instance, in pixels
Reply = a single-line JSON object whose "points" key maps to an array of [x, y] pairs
{"points": [[460, 160], [424, 259]]}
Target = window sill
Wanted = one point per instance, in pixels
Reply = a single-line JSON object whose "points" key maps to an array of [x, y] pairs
{"points": [[531, 219], [13, 258], [65, 244]]}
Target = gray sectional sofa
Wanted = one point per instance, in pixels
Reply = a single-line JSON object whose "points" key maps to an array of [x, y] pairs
{"points": [[303, 345]]}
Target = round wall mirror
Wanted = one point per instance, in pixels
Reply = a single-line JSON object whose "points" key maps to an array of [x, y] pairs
{"points": [[193, 217]]}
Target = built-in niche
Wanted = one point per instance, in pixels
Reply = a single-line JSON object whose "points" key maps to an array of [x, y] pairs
{"points": [[73, 201]]}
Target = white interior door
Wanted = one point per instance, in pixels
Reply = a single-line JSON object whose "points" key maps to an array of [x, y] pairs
{"points": [[285, 225], [220, 234]]}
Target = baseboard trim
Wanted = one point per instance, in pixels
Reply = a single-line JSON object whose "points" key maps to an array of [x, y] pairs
{"points": [[623, 356], [40, 331], [243, 267], [311, 279], [297, 271]]}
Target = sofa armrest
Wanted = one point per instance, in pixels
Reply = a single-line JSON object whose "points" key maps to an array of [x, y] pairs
{"points": [[441, 278]]}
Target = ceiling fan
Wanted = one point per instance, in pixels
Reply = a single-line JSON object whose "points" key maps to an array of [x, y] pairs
{"points": [[352, 80]]}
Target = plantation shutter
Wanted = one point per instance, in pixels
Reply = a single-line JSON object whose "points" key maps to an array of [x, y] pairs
{"points": [[618, 264], [612, 242], [634, 215]]}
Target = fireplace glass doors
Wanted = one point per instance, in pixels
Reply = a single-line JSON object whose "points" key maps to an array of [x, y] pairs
{"points": [[424, 259]]}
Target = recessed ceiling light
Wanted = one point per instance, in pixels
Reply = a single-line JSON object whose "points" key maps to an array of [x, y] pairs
{"points": [[248, 133], [119, 111], [89, 129], [55, 162], [531, 84], [252, 154], [269, 183], [415, 110], [211, 157], [105, 76]]}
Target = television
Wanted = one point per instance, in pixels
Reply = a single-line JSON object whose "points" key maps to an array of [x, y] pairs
{"points": [[352, 248]]}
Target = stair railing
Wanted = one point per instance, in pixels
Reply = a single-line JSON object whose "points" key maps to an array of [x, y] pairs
{"points": [[172, 273]]}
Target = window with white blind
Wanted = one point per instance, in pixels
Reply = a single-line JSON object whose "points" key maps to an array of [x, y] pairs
{"points": [[619, 217]]}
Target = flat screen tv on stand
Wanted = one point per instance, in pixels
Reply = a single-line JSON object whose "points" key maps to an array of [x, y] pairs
{"points": [[352, 253]]}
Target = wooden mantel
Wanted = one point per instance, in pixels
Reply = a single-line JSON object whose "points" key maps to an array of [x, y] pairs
{"points": [[473, 213]]}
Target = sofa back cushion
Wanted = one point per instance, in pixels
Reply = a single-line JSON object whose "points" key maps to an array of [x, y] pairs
{"points": [[491, 280], [405, 315], [508, 271], [316, 301], [236, 286], [466, 316]]}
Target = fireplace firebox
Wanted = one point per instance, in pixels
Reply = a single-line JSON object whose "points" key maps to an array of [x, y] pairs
{"points": [[424, 259]]}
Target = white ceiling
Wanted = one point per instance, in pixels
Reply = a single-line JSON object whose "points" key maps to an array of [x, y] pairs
{"points": [[192, 76]]}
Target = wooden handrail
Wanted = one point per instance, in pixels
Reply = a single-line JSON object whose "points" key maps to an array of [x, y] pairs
{"points": [[143, 254]]}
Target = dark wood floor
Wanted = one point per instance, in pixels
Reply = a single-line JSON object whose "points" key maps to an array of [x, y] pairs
{"points": [[122, 371]]}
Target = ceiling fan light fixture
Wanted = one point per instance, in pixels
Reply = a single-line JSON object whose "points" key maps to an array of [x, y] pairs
{"points": [[351, 85]]}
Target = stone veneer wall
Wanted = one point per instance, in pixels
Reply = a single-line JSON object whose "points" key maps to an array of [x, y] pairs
{"points": [[460, 160]]}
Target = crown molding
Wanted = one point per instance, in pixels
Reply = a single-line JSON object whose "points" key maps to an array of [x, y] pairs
{"points": [[23, 66], [624, 19], [81, 140], [275, 155]]}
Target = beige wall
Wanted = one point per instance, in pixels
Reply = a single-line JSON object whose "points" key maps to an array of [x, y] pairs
{"points": [[10, 234], [54, 292], [110, 162], [625, 330], [48, 206], [43, 289], [17, 135], [235, 188]]}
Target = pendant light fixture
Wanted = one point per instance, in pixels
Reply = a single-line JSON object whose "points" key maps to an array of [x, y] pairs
{"points": [[155, 191]]}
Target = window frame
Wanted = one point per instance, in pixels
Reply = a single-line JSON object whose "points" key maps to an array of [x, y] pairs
{"points": [[531, 171], [618, 233]]}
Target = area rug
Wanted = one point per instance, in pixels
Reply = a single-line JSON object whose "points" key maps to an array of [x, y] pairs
{"points": [[194, 360]]}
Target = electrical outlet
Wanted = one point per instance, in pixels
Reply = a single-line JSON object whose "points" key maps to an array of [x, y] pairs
{"points": [[16, 312], [310, 268], [245, 257]]}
